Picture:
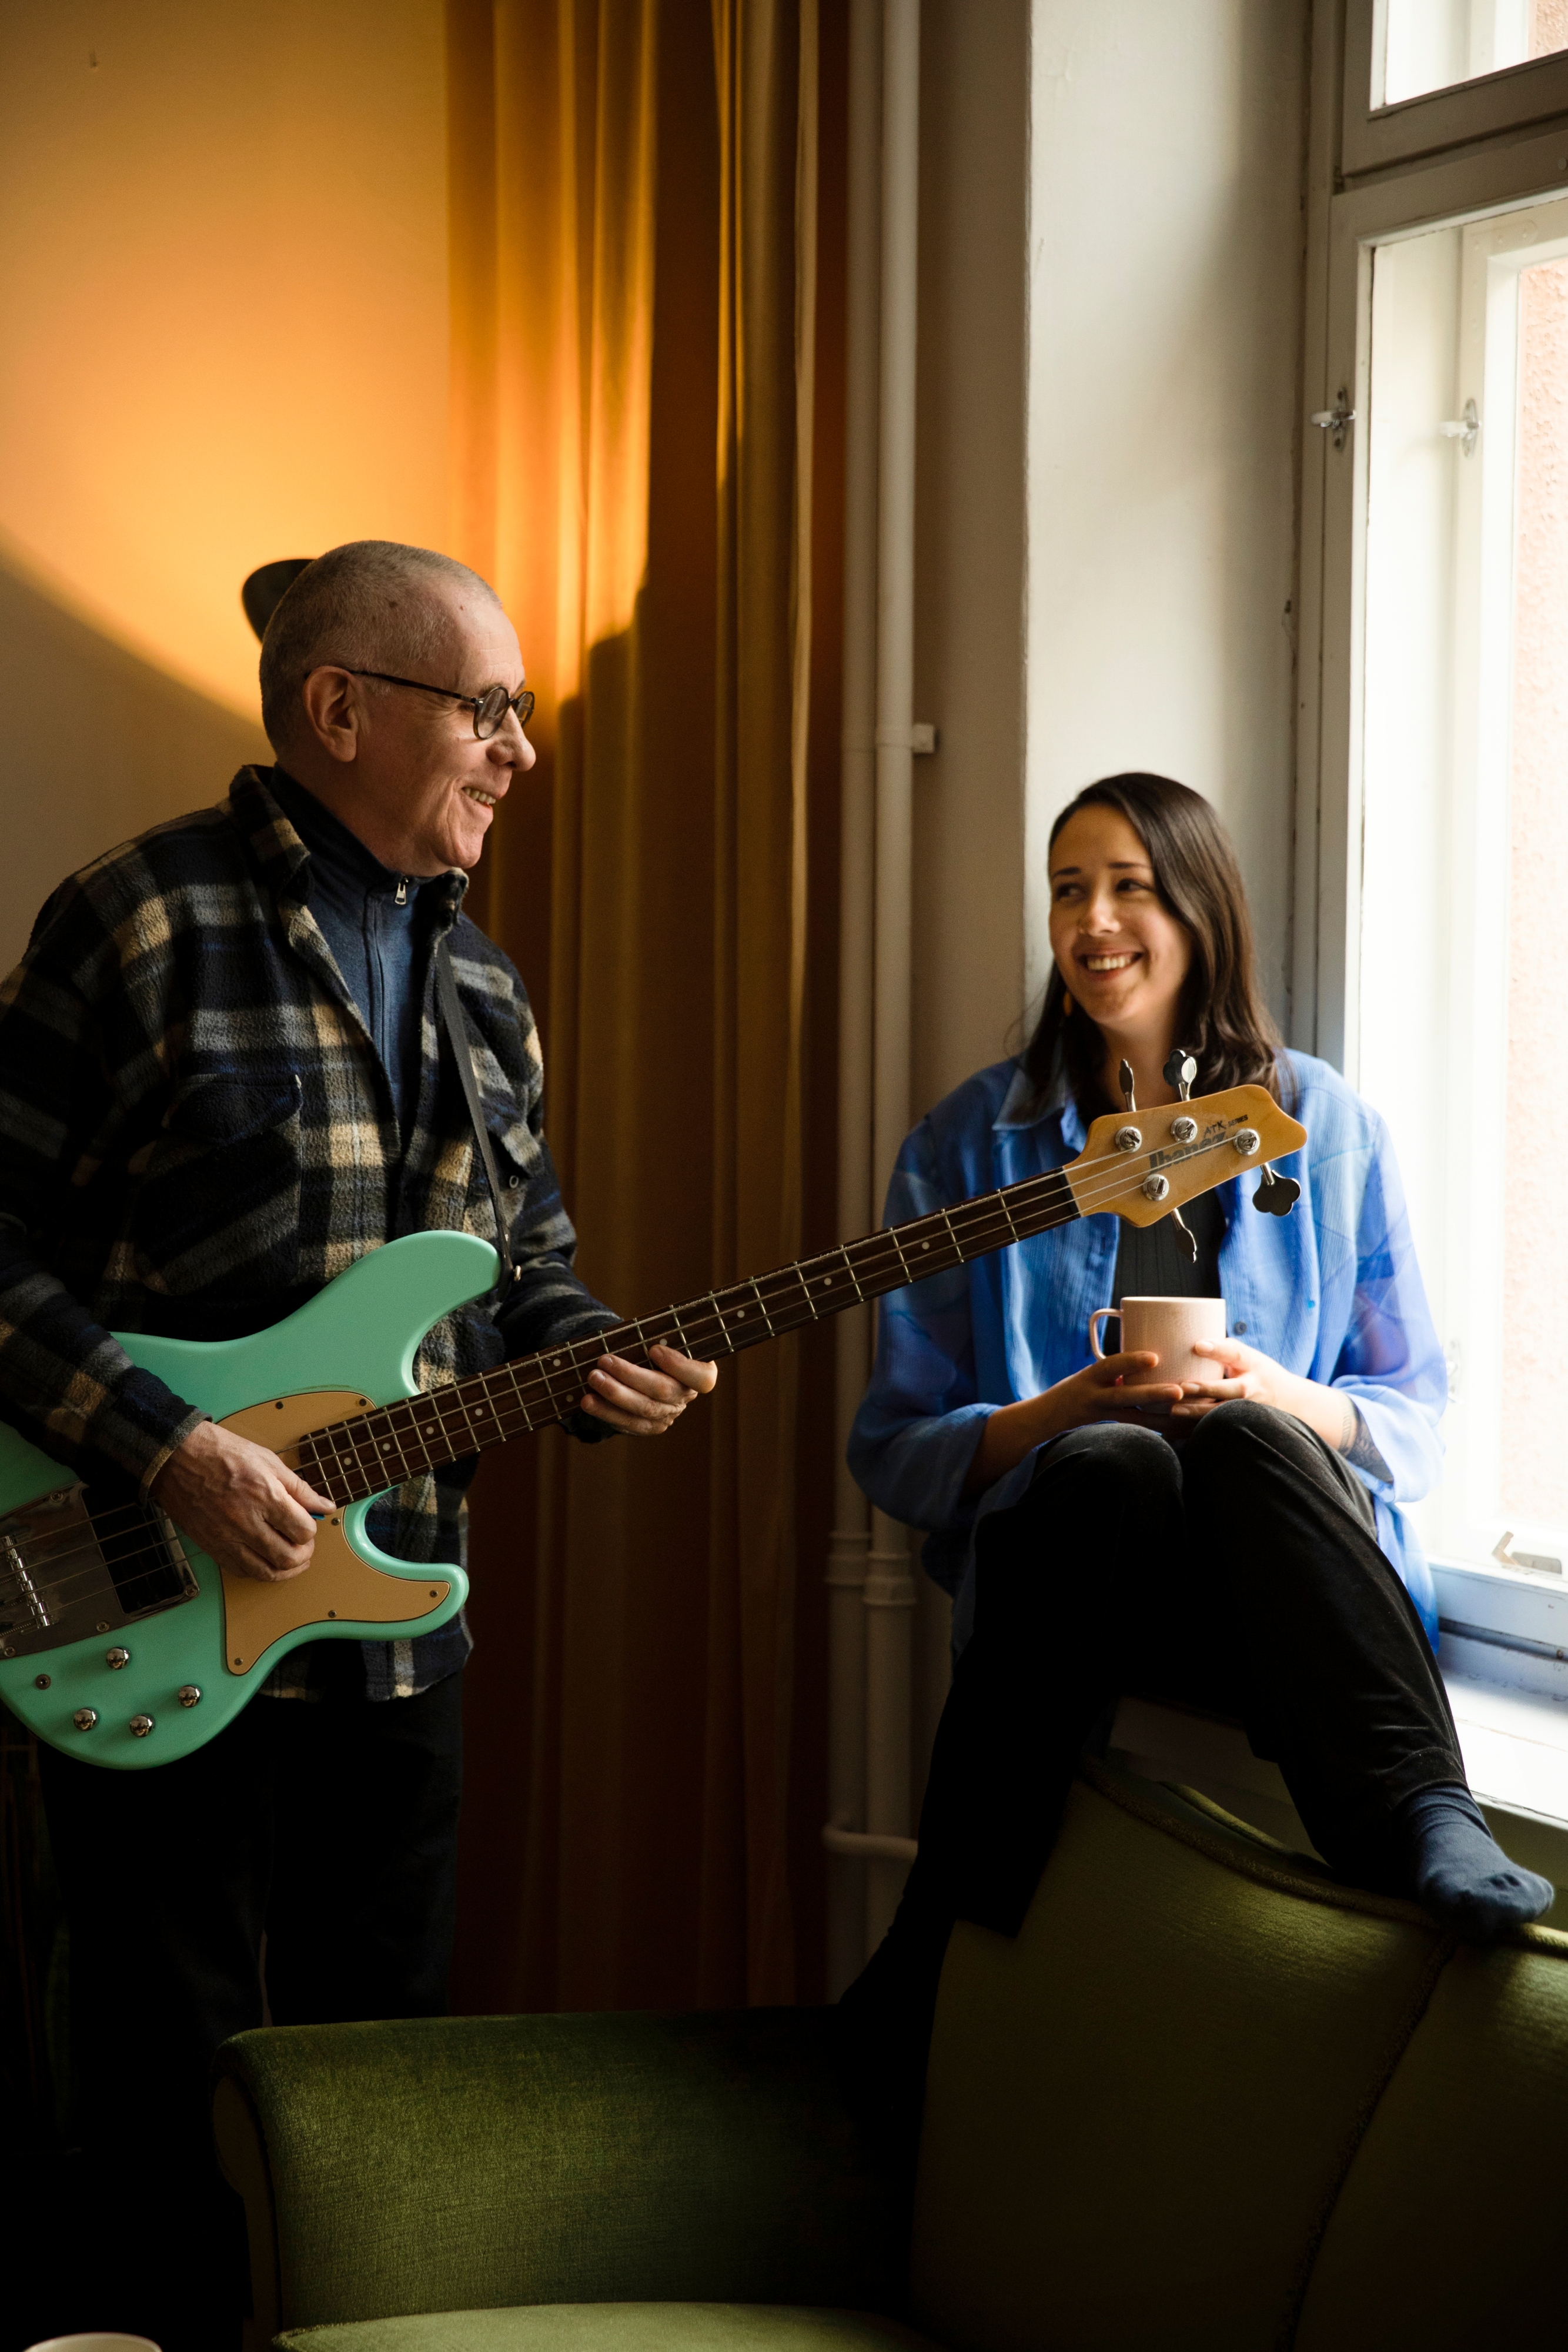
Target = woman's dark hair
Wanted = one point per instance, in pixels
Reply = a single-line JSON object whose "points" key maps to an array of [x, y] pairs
{"points": [[1222, 1019]]}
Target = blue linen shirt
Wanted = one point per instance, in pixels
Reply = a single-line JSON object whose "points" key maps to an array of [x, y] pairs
{"points": [[1333, 1292]]}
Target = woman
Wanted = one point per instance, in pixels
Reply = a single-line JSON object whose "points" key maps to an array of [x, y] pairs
{"points": [[1238, 1543]]}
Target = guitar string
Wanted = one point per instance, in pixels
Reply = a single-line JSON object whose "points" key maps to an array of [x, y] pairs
{"points": [[436, 1400], [990, 1203], [517, 1410], [507, 1422]]}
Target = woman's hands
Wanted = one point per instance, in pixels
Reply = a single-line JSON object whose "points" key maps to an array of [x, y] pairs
{"points": [[1247, 1373], [1096, 1394]]}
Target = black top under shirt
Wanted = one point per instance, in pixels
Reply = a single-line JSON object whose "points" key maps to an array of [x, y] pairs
{"points": [[1151, 1262]]}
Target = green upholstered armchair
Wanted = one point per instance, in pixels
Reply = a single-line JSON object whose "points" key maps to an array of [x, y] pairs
{"points": [[1207, 2098]]}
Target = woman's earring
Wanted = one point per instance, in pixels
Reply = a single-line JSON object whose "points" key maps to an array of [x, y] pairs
{"points": [[1066, 1006]]}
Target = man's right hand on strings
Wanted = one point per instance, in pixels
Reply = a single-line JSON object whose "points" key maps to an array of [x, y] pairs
{"points": [[241, 1504]]}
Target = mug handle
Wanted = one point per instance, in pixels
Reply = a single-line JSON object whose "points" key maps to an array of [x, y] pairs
{"points": [[1098, 1316]]}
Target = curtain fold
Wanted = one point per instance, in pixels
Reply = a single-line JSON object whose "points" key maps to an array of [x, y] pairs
{"points": [[635, 207]]}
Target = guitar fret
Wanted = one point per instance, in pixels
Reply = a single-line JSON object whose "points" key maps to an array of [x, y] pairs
{"points": [[761, 1305], [850, 1270], [798, 1272]]}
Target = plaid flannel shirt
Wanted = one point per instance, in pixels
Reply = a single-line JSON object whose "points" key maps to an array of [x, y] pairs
{"points": [[196, 1133]]}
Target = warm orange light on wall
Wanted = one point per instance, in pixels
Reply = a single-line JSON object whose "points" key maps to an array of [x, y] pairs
{"points": [[224, 282]]}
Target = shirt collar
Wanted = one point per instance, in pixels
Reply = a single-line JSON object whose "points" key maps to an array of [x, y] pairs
{"points": [[1022, 1107], [282, 853], [330, 841]]}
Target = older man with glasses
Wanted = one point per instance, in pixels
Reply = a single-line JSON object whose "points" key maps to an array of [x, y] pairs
{"points": [[226, 1071]]}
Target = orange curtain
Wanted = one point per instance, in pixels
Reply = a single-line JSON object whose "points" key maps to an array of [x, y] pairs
{"points": [[645, 470]]}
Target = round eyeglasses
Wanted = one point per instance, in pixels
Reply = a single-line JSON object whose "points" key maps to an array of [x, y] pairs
{"points": [[490, 708]]}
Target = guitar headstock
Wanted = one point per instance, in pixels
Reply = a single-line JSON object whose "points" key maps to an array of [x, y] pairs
{"points": [[1141, 1164]]}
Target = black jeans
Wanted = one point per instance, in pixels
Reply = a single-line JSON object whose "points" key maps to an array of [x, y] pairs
{"points": [[1238, 1571], [329, 1827]]}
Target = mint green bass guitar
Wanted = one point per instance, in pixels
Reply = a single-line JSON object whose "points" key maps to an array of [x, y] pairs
{"points": [[121, 1643]]}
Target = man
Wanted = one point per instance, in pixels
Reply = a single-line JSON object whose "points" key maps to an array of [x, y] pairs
{"points": [[223, 1076]]}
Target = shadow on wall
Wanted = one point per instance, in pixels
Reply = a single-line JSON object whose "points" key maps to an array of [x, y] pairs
{"points": [[95, 745]]}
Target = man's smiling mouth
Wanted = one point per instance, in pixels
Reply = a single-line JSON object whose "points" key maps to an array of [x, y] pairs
{"points": [[485, 799]]}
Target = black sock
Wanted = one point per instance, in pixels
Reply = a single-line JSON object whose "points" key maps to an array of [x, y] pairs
{"points": [[1457, 1872]]}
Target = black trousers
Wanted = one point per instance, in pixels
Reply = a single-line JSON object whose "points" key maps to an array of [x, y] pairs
{"points": [[1238, 1571], [329, 1828]]}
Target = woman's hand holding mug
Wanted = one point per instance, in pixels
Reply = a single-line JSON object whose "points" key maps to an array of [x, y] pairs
{"points": [[1112, 1388]]}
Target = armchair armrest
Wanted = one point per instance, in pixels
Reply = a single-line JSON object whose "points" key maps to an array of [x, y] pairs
{"points": [[440, 2164]]}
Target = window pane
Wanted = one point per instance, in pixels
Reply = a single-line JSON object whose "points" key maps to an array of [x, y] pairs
{"points": [[1431, 45], [1463, 966], [1535, 1230]]}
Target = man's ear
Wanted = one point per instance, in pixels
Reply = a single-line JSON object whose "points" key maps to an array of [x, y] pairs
{"points": [[334, 713]]}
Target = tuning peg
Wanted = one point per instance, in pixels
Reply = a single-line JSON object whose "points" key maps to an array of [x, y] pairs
{"points": [[1188, 1238], [1180, 1071], [1276, 1195], [1128, 1101]]}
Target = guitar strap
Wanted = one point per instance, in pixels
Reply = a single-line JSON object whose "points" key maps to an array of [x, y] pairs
{"points": [[457, 1030]]}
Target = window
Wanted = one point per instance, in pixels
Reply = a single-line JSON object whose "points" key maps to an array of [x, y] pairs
{"points": [[1431, 953], [1464, 901], [1418, 46], [1420, 76]]}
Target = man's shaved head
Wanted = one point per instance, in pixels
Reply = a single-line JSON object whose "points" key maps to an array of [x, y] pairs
{"points": [[366, 605]]}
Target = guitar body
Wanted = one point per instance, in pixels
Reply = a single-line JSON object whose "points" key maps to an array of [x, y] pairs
{"points": [[197, 1656]]}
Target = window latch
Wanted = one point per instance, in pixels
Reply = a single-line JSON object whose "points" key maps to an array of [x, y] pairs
{"points": [[1542, 1562], [1336, 420], [1463, 429]]}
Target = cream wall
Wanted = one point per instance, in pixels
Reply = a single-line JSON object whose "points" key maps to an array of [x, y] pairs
{"points": [[968, 958], [1112, 241], [222, 275], [1166, 267]]}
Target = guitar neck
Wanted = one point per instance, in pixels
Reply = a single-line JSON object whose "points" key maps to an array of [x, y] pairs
{"points": [[352, 1459]]}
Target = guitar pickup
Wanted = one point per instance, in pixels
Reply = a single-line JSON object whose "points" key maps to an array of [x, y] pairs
{"points": [[82, 1561]]}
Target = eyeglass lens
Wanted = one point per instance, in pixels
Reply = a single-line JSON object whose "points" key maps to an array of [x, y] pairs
{"points": [[493, 706]]}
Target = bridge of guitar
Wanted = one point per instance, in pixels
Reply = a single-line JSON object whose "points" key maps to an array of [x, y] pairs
{"points": [[80, 1561]]}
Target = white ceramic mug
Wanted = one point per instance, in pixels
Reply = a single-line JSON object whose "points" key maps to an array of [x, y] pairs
{"points": [[1170, 1328], [97, 2340]]}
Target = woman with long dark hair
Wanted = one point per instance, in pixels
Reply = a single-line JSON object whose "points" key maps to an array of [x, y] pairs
{"points": [[1238, 1543]]}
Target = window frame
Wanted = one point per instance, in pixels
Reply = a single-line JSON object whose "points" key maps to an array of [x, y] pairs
{"points": [[1346, 218], [1374, 138]]}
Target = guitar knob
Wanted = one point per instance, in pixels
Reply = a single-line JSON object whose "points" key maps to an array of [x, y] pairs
{"points": [[85, 1717], [189, 1694], [1246, 1142], [115, 1659], [140, 1724], [1154, 1188], [1184, 1130], [1127, 1139]]}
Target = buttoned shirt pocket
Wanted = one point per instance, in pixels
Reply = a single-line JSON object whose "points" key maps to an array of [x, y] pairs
{"points": [[218, 1203]]}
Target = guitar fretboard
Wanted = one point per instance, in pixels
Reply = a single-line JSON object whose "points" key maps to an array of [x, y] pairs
{"points": [[350, 1460]]}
